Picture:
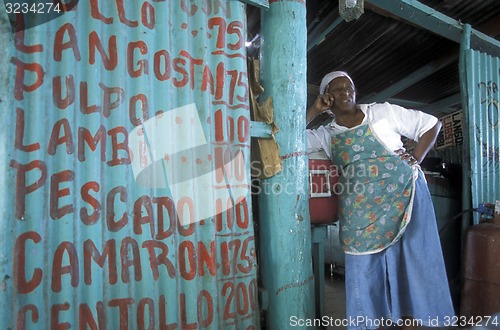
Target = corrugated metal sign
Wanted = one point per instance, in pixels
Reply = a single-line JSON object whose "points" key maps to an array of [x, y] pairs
{"points": [[124, 160], [483, 81]]}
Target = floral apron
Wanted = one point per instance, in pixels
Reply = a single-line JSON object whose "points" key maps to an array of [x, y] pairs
{"points": [[375, 188]]}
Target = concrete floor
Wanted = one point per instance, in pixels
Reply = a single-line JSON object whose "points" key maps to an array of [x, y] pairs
{"points": [[334, 297], [335, 301]]}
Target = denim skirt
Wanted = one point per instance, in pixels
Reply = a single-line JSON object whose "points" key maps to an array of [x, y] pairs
{"points": [[406, 280]]}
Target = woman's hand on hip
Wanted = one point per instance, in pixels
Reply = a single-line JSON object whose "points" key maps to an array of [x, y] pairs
{"points": [[406, 156]]}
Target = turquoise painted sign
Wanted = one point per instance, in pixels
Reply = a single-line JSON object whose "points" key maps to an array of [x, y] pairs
{"points": [[482, 77], [125, 195]]}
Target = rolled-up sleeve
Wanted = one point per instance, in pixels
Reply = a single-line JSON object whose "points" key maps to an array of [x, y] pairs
{"points": [[412, 123]]}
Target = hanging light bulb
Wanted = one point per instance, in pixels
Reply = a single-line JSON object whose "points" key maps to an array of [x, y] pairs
{"points": [[251, 42], [350, 3], [351, 9]]}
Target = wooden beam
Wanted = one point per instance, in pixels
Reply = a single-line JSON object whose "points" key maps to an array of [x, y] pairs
{"points": [[444, 105], [408, 104], [426, 18], [321, 37]]}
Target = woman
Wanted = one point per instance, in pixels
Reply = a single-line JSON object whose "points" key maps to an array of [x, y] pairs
{"points": [[395, 272]]}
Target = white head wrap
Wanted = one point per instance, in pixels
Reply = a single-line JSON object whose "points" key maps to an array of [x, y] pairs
{"points": [[329, 77]]}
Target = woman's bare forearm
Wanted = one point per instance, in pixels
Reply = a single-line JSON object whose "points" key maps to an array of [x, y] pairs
{"points": [[426, 142]]}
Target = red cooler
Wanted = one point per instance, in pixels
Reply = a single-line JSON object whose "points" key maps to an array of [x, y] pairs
{"points": [[323, 205]]}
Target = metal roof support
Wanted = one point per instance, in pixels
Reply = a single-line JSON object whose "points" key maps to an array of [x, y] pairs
{"points": [[429, 19], [444, 105], [410, 80], [319, 39], [407, 103], [284, 226], [465, 45]]}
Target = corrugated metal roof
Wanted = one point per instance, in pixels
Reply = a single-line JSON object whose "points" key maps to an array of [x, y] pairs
{"points": [[380, 50]]}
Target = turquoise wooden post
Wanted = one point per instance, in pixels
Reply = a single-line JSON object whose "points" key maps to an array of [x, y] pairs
{"points": [[285, 234]]}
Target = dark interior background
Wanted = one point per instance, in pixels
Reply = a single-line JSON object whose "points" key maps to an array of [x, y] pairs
{"points": [[380, 50]]}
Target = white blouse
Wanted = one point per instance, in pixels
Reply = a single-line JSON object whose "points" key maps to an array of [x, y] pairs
{"points": [[388, 121]]}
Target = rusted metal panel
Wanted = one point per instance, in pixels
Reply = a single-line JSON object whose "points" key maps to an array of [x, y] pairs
{"points": [[481, 285], [483, 81], [125, 152]]}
